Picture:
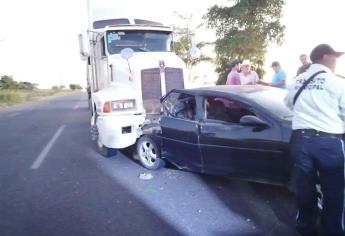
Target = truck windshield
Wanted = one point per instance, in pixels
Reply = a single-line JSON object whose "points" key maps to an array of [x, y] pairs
{"points": [[139, 41]]}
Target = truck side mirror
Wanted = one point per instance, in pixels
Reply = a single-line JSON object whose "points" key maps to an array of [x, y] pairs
{"points": [[83, 49], [127, 53]]}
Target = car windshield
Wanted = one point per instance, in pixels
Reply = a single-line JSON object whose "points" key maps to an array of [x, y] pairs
{"points": [[139, 41], [273, 100]]}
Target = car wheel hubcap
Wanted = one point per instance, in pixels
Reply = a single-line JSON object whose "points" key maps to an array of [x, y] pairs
{"points": [[148, 153]]}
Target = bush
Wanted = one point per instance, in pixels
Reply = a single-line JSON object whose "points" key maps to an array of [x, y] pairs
{"points": [[75, 87], [7, 82], [10, 97], [55, 88], [72, 86], [26, 86]]}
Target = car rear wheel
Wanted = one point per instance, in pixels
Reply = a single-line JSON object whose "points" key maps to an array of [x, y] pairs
{"points": [[149, 153]]}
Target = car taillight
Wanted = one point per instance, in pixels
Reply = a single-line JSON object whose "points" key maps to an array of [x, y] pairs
{"points": [[107, 107]]}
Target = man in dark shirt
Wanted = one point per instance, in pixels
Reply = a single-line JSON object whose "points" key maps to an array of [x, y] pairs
{"points": [[305, 64]]}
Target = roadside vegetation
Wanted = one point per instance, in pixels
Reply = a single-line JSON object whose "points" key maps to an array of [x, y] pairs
{"points": [[244, 30], [13, 92]]}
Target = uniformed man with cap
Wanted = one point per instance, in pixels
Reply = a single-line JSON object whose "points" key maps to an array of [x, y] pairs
{"points": [[317, 98]]}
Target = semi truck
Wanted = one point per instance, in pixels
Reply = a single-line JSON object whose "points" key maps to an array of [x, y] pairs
{"points": [[130, 65]]}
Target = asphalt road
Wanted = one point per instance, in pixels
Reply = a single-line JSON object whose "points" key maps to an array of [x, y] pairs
{"points": [[52, 182]]}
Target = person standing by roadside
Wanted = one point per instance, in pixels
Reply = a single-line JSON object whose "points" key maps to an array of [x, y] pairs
{"points": [[279, 77], [233, 76], [247, 75], [305, 64], [317, 98]]}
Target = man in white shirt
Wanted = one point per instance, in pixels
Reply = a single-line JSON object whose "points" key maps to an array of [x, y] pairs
{"points": [[248, 76], [317, 145]]}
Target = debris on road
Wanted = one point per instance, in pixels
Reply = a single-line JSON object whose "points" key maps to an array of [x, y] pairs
{"points": [[145, 176]]}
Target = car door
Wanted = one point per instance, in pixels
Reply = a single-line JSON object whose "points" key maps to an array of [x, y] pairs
{"points": [[229, 147], [179, 128]]}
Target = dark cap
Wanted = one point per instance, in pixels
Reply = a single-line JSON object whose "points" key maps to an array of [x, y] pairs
{"points": [[275, 63], [323, 49], [234, 63]]}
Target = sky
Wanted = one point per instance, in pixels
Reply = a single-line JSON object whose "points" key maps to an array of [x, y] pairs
{"points": [[309, 23], [38, 38]]}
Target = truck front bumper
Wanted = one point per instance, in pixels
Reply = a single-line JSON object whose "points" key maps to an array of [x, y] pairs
{"points": [[119, 131]]}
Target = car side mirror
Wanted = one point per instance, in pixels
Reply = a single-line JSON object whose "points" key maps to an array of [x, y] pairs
{"points": [[249, 120]]}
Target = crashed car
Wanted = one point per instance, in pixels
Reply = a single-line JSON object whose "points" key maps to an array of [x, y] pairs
{"points": [[240, 131]]}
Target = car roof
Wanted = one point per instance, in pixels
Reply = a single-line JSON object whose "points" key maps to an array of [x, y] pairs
{"points": [[268, 98], [245, 91]]}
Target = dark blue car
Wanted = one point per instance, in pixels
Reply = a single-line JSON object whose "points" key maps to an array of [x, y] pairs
{"points": [[240, 131]]}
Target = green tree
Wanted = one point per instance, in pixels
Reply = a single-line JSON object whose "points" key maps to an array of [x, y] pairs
{"points": [[184, 42], [7, 82], [244, 30]]}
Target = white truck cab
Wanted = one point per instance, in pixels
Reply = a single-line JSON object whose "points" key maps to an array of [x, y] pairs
{"points": [[130, 65]]}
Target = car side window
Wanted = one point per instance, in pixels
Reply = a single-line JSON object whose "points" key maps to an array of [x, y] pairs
{"points": [[180, 105], [224, 109]]}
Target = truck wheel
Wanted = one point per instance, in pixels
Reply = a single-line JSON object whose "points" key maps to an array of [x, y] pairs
{"points": [[90, 105], [149, 153], [105, 151]]}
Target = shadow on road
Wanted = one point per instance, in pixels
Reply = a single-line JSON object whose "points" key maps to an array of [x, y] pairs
{"points": [[269, 208]]}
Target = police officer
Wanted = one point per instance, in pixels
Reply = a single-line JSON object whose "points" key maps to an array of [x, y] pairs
{"points": [[317, 98]]}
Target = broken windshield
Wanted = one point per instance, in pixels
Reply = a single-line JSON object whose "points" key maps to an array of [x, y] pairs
{"points": [[139, 41]]}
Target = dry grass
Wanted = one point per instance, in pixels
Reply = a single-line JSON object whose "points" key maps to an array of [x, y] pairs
{"points": [[11, 97]]}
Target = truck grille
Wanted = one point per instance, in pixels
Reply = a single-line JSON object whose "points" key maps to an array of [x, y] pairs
{"points": [[151, 89], [173, 79]]}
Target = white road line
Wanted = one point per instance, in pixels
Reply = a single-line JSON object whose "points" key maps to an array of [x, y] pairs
{"points": [[37, 163]]}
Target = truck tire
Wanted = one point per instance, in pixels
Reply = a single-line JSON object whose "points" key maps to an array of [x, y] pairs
{"points": [[100, 147], [149, 154], [105, 151], [89, 105]]}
